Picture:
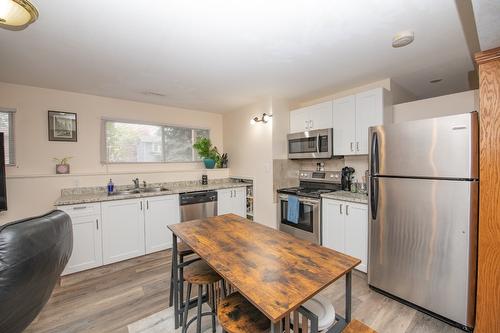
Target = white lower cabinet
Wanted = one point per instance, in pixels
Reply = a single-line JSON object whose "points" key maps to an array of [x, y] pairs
{"points": [[232, 200], [122, 230], [345, 229], [87, 242], [159, 213]]}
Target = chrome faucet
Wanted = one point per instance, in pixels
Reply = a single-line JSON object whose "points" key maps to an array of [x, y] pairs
{"points": [[136, 183]]}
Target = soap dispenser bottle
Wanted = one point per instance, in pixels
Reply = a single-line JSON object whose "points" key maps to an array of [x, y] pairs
{"points": [[111, 186]]}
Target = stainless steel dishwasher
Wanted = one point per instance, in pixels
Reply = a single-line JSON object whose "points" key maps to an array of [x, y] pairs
{"points": [[198, 205]]}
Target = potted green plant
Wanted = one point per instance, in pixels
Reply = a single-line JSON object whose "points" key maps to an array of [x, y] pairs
{"points": [[62, 165], [207, 152]]}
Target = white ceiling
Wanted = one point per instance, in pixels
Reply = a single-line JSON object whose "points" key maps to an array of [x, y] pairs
{"points": [[487, 14], [218, 55]]}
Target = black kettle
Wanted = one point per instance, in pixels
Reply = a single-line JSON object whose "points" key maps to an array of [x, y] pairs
{"points": [[346, 178]]}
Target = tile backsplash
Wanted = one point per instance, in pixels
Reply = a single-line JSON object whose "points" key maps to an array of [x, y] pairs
{"points": [[359, 163], [286, 172]]}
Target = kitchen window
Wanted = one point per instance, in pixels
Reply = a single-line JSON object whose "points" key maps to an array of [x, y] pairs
{"points": [[7, 128], [128, 142]]}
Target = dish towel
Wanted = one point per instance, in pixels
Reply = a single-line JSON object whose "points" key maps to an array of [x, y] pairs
{"points": [[293, 209]]}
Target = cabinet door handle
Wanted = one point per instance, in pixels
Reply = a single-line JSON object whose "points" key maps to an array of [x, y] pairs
{"points": [[141, 205], [97, 223], [311, 124], [147, 204], [352, 144], [357, 146], [79, 207], [347, 210], [341, 209], [306, 124]]}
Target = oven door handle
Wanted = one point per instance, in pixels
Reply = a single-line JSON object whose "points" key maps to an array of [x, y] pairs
{"points": [[304, 201]]}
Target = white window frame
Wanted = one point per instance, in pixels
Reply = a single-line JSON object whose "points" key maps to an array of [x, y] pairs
{"points": [[12, 141], [104, 156]]}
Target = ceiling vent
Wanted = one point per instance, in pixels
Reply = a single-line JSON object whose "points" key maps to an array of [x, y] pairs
{"points": [[153, 93], [403, 38]]}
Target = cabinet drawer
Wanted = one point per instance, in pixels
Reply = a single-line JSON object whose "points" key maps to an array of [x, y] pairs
{"points": [[82, 209]]}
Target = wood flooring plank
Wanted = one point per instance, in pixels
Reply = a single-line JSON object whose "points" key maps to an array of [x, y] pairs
{"points": [[107, 300]]}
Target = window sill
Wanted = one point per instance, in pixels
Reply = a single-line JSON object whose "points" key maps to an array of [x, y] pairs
{"points": [[83, 174]]}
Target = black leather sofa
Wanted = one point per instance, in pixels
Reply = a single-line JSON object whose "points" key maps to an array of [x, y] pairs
{"points": [[33, 254]]}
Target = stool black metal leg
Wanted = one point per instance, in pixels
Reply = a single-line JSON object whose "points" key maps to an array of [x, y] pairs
{"points": [[224, 290], [181, 285], [171, 297], [186, 309], [200, 304], [212, 290]]}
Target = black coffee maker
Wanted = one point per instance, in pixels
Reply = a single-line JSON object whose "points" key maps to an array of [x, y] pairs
{"points": [[346, 178]]}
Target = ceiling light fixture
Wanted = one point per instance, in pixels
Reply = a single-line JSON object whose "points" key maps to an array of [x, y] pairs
{"points": [[403, 38], [17, 13], [264, 119]]}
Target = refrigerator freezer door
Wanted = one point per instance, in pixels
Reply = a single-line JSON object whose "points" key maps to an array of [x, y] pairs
{"points": [[422, 243], [445, 147]]}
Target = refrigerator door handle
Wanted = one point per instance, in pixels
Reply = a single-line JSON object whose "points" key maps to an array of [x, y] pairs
{"points": [[374, 197], [374, 155]]}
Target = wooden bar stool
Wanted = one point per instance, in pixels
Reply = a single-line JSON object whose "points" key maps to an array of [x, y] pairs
{"points": [[201, 274], [237, 315], [356, 326]]}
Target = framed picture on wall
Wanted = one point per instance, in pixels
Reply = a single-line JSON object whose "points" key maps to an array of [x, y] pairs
{"points": [[62, 126]]}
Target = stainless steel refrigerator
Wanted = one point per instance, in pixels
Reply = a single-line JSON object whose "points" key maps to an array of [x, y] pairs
{"points": [[423, 214]]}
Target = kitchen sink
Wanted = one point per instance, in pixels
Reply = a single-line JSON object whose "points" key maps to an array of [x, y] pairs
{"points": [[125, 192], [153, 189], [141, 190]]}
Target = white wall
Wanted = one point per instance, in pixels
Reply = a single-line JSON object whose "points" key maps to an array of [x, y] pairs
{"points": [[32, 185], [446, 105], [250, 148]]}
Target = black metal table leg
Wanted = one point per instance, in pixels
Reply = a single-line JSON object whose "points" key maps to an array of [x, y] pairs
{"points": [[276, 327], [176, 283], [348, 289]]}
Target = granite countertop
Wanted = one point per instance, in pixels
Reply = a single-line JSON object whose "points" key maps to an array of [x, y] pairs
{"points": [[347, 196], [79, 195]]}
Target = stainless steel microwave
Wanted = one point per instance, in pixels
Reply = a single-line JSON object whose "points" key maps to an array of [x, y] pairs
{"points": [[311, 144]]}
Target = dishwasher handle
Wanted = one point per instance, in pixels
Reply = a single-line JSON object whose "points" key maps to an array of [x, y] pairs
{"points": [[190, 198]]}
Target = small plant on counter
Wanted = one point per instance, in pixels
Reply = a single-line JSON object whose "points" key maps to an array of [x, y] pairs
{"points": [[223, 161], [62, 165], [207, 152]]}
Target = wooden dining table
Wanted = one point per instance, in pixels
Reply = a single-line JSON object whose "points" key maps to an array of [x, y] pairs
{"points": [[273, 270]]}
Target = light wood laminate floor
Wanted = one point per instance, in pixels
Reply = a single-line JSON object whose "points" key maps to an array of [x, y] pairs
{"points": [[109, 298]]}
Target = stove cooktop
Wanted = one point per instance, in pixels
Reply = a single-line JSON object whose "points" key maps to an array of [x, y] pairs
{"points": [[306, 191]]}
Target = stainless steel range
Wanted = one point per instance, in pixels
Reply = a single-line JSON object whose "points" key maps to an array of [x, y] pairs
{"points": [[312, 185]]}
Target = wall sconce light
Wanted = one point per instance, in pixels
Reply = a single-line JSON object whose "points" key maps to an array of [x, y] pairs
{"points": [[264, 119]]}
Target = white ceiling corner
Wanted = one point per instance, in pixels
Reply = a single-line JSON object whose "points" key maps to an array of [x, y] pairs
{"points": [[219, 55]]}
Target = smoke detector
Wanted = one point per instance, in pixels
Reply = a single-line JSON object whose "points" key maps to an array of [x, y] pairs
{"points": [[403, 38]]}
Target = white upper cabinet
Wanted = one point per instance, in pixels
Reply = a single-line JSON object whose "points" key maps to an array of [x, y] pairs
{"points": [[313, 117], [353, 115], [122, 230], [232, 200], [344, 124], [159, 213]]}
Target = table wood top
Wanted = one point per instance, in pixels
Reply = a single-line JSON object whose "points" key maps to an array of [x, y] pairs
{"points": [[274, 270]]}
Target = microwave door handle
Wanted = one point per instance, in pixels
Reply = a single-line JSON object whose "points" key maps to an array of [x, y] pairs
{"points": [[317, 143]]}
